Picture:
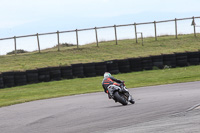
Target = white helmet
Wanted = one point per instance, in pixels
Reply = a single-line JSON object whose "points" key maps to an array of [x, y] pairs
{"points": [[107, 74]]}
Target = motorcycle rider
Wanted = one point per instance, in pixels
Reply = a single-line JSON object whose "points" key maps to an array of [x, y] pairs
{"points": [[109, 84]]}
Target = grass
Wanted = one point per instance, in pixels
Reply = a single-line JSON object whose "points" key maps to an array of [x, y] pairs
{"points": [[106, 51], [46, 90]]}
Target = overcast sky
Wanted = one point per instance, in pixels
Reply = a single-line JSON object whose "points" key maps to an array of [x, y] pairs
{"points": [[21, 17]]}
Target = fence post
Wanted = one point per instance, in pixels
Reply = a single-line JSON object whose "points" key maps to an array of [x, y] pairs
{"points": [[38, 42], [115, 34], [135, 33], [96, 37], [142, 39], [58, 40], [15, 43], [155, 30], [77, 37], [194, 27], [176, 28]]}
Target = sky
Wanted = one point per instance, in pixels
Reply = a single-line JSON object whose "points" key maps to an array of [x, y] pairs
{"points": [[25, 17]]}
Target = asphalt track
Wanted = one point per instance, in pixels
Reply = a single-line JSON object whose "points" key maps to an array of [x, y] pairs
{"points": [[165, 108]]}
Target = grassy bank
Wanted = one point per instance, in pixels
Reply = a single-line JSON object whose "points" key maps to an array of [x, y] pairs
{"points": [[32, 92], [105, 51]]}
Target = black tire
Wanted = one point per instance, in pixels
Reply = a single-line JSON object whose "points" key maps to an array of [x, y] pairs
{"points": [[66, 72], [20, 78], [135, 64], [158, 61], [32, 76], [193, 61], [55, 73], [181, 59], [120, 98], [44, 74], [89, 70], [100, 68], [77, 70], [1, 82], [147, 63], [124, 66], [112, 66], [195, 54], [9, 79], [169, 60]]}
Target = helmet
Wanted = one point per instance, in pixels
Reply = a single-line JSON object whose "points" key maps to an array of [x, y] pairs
{"points": [[107, 74]]}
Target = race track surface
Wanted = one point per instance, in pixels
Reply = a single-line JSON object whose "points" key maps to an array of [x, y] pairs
{"points": [[164, 108]]}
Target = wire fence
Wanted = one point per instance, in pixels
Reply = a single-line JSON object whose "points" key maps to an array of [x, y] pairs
{"points": [[115, 28]]}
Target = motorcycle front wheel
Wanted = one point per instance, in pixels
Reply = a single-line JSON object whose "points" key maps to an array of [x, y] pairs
{"points": [[120, 97]]}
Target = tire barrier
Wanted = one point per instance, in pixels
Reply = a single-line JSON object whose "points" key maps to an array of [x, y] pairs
{"points": [[181, 59], [158, 61], [100, 68], [124, 66], [55, 73], [77, 70], [112, 66], [20, 78], [193, 58], [147, 63], [89, 70], [66, 72], [169, 60], [32, 76], [11, 79], [135, 64], [1, 81], [44, 74]]}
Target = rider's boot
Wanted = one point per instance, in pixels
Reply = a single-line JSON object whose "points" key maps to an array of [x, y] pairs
{"points": [[131, 100]]}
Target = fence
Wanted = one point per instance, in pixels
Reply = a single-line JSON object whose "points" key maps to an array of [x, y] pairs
{"points": [[96, 32]]}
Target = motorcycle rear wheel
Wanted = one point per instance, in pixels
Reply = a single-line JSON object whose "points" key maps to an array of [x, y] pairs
{"points": [[119, 97]]}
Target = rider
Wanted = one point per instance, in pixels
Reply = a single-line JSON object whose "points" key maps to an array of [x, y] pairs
{"points": [[110, 83]]}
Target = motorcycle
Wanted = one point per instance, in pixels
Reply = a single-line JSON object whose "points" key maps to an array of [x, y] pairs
{"points": [[121, 94]]}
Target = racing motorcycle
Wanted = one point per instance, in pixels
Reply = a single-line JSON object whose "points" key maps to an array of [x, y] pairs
{"points": [[121, 94]]}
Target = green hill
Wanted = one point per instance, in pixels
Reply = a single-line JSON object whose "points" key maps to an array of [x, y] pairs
{"points": [[106, 51]]}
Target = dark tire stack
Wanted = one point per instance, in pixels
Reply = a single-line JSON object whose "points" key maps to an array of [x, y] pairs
{"points": [[112, 66], [193, 58], [169, 60], [55, 73], [44, 74], [1, 81], [66, 72], [135, 64], [9, 79], [77, 70], [124, 66], [89, 70], [181, 59], [32, 76], [20, 78], [100, 68], [158, 61], [147, 63]]}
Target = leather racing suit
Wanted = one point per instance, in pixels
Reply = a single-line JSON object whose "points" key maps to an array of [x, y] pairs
{"points": [[109, 83]]}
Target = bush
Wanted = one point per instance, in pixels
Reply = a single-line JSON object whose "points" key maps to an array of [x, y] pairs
{"points": [[17, 51]]}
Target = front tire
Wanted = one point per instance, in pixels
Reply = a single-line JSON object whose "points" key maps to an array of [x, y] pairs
{"points": [[119, 97]]}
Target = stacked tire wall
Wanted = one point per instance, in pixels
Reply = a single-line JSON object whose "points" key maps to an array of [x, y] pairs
{"points": [[12, 79]]}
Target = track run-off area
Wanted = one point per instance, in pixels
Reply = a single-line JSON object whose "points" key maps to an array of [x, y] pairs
{"points": [[164, 108]]}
